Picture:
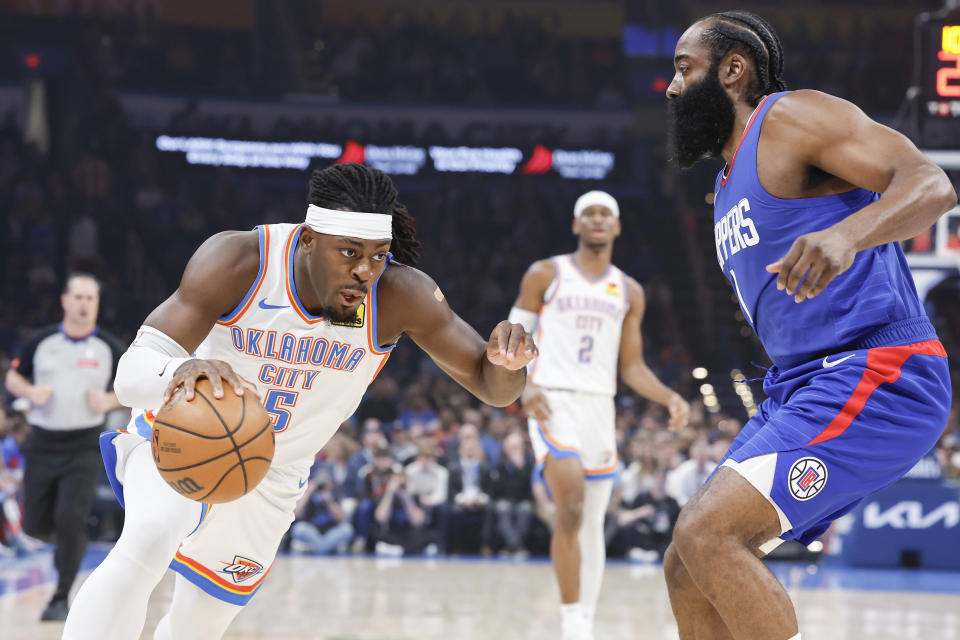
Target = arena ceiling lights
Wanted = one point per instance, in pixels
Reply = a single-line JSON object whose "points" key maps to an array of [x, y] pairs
{"points": [[395, 159]]}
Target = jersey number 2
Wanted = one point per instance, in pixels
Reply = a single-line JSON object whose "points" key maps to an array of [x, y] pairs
{"points": [[278, 404], [586, 349]]}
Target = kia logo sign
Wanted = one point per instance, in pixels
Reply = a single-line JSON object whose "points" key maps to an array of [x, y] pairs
{"points": [[909, 514]]}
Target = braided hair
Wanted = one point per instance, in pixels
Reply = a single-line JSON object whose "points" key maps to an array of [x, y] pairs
{"points": [[358, 187], [753, 36]]}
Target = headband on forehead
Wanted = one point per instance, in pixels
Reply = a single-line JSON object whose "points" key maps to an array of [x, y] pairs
{"points": [[591, 198], [353, 224]]}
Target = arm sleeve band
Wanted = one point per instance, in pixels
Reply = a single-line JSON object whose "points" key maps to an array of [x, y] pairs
{"points": [[526, 319], [146, 368]]}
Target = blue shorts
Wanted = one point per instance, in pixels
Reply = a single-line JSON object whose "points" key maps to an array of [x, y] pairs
{"points": [[833, 431]]}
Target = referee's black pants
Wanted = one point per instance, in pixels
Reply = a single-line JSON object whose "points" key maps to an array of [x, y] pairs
{"points": [[60, 474]]}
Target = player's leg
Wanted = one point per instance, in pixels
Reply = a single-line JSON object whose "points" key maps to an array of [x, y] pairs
{"points": [[564, 477], [223, 564], [697, 619], [75, 497], [156, 520], [716, 538], [195, 615], [593, 545]]}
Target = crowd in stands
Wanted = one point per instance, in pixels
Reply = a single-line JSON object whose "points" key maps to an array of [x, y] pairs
{"points": [[410, 59]]}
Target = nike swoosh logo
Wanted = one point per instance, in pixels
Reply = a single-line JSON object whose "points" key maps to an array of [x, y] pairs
{"points": [[302, 482], [263, 305], [827, 364]]}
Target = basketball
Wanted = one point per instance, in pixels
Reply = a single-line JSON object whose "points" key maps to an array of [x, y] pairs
{"points": [[213, 450]]}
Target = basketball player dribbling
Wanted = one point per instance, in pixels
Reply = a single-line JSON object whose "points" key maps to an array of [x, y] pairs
{"points": [[859, 388], [589, 313], [308, 313]]}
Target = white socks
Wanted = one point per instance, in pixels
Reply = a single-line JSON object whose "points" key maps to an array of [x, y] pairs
{"points": [[796, 637], [593, 546]]}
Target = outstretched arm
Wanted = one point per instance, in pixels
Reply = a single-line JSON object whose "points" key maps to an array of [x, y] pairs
{"points": [[633, 368], [838, 138], [494, 371]]}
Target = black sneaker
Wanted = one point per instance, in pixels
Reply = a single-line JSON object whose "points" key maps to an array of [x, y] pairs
{"points": [[55, 611]]}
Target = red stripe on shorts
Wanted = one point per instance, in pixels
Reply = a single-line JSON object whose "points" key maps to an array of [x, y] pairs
{"points": [[883, 365]]}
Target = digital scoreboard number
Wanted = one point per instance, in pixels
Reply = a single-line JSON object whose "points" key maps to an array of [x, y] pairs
{"points": [[941, 69]]}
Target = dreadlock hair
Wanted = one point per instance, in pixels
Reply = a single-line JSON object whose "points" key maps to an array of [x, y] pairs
{"points": [[753, 36], [358, 187]]}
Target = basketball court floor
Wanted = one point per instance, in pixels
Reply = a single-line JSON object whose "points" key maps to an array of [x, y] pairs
{"points": [[392, 599]]}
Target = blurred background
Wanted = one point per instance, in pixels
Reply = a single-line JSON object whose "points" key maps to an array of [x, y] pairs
{"points": [[130, 130]]}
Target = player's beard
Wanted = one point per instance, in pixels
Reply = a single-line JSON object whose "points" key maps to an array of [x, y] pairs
{"points": [[701, 120], [338, 315]]}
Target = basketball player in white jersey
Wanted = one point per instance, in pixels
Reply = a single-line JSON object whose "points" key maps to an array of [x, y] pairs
{"points": [[587, 316], [305, 316]]}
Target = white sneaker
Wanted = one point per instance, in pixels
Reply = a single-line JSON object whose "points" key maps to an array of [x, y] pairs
{"points": [[643, 556], [389, 550], [576, 629]]}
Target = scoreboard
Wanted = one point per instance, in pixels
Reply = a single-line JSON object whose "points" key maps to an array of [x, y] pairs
{"points": [[938, 65]]}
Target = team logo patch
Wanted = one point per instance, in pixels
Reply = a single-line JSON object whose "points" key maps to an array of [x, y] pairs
{"points": [[242, 569], [807, 478], [357, 320], [613, 289]]}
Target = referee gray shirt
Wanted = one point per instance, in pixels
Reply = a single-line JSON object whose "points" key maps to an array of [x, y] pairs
{"points": [[71, 366]]}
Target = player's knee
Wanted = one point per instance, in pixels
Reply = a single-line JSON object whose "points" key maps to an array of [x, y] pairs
{"points": [[674, 570], [692, 536], [570, 513]]}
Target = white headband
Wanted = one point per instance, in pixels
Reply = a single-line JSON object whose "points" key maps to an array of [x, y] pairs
{"points": [[591, 198], [353, 224]]}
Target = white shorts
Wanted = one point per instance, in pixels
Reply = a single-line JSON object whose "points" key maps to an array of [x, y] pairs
{"points": [[231, 550], [581, 426]]}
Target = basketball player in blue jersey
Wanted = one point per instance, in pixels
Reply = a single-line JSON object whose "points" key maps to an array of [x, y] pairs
{"points": [[304, 315], [589, 313], [859, 388]]}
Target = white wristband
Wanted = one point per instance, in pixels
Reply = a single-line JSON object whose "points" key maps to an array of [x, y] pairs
{"points": [[526, 319], [146, 368]]}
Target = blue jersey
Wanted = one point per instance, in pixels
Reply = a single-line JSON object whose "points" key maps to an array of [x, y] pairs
{"points": [[872, 304]]}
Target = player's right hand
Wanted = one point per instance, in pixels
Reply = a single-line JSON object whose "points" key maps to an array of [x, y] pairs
{"points": [[217, 372], [534, 403], [40, 394]]}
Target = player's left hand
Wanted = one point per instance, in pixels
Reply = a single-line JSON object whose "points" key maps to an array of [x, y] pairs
{"points": [[510, 346], [679, 412], [813, 261]]}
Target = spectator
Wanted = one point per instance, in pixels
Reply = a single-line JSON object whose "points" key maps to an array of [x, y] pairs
{"points": [[427, 482], [372, 438], [468, 495], [374, 479], [511, 493], [400, 525], [689, 476], [321, 525], [335, 463], [645, 524]]}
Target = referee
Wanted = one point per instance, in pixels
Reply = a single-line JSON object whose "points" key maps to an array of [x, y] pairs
{"points": [[66, 372]]}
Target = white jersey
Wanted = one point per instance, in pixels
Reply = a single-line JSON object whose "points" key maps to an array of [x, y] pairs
{"points": [[311, 372], [578, 332]]}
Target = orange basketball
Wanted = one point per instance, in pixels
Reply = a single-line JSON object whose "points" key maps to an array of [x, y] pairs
{"points": [[213, 450]]}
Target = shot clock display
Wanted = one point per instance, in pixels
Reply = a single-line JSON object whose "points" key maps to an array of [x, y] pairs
{"points": [[938, 79]]}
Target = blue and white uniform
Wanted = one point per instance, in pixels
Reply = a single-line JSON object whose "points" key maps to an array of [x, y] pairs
{"points": [[578, 334], [860, 388], [312, 374]]}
